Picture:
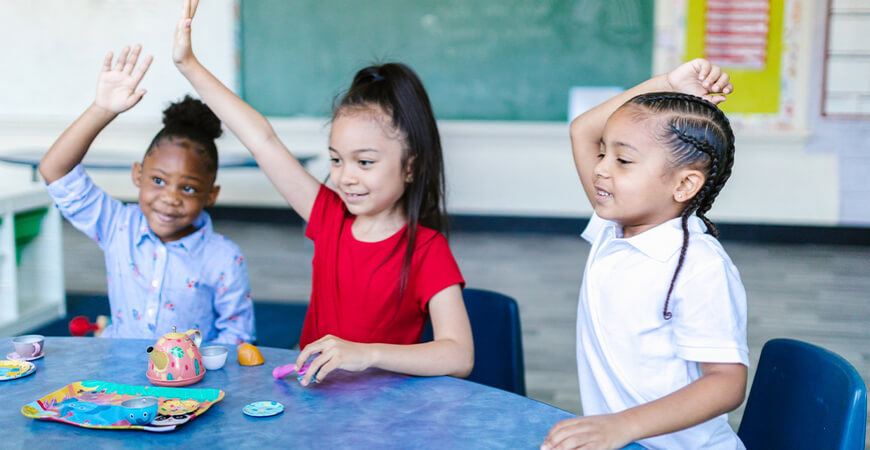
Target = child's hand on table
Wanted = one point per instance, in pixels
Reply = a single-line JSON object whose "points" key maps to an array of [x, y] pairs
{"points": [[116, 87], [335, 353], [700, 78], [607, 431]]}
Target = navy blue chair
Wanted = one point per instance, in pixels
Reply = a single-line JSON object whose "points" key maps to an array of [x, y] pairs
{"points": [[498, 340], [804, 396]]}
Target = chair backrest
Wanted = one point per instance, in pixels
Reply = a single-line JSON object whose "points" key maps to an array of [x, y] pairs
{"points": [[498, 341], [804, 396]]}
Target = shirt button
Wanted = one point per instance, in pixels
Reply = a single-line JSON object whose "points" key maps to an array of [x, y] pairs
{"points": [[154, 283]]}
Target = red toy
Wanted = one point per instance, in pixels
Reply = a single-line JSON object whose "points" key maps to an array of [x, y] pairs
{"points": [[79, 326]]}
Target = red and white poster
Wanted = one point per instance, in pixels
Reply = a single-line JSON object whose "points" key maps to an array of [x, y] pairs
{"points": [[737, 33]]}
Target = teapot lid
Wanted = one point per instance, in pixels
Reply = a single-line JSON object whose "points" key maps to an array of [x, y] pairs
{"points": [[174, 334]]}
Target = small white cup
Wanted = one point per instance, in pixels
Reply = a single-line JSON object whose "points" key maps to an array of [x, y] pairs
{"points": [[29, 345], [214, 356]]}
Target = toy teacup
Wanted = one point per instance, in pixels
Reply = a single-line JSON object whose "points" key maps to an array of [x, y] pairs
{"points": [[214, 356]]}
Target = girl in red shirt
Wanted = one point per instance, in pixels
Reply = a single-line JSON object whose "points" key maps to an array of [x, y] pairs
{"points": [[381, 266]]}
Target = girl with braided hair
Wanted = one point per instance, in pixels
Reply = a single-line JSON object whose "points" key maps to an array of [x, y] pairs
{"points": [[661, 321]]}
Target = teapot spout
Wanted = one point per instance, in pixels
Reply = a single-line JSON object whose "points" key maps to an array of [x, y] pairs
{"points": [[159, 358]]}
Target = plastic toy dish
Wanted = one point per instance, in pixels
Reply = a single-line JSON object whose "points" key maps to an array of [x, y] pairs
{"points": [[10, 370], [176, 407], [263, 409], [140, 410], [16, 357], [214, 356]]}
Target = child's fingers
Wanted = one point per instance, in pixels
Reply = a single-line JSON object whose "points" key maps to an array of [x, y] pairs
{"points": [[193, 5], [107, 62], [140, 71], [722, 84], [185, 9], [304, 354], [711, 78], [702, 67], [137, 96], [310, 349], [715, 98], [122, 58], [314, 369], [131, 59]]}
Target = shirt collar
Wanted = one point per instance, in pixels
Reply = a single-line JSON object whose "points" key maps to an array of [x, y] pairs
{"points": [[662, 241], [190, 242]]}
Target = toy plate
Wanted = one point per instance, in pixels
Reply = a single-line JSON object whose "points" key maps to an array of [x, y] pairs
{"points": [[263, 409], [97, 404], [175, 407], [10, 370]]}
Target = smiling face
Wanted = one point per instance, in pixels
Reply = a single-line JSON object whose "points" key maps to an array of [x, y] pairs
{"points": [[635, 184], [175, 185], [367, 164]]}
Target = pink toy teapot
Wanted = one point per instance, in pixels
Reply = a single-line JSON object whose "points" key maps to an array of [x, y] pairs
{"points": [[175, 359]]}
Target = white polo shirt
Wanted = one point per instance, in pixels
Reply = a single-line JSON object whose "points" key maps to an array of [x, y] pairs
{"points": [[627, 353]]}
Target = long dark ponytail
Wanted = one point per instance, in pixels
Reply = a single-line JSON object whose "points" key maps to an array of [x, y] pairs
{"points": [[397, 91], [699, 135]]}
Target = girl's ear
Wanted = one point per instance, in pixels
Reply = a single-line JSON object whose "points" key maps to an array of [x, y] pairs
{"points": [[690, 182], [136, 174], [409, 170], [212, 196]]}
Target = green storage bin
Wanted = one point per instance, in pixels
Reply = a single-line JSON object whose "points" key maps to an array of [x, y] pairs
{"points": [[27, 225]]}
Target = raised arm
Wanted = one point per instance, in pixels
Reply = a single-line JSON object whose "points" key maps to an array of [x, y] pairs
{"points": [[696, 77], [285, 172], [116, 93]]}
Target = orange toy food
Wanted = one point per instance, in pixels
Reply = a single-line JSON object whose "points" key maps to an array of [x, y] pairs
{"points": [[250, 355]]}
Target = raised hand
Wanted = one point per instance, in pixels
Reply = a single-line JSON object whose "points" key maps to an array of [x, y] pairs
{"points": [[182, 51], [116, 86], [700, 77]]}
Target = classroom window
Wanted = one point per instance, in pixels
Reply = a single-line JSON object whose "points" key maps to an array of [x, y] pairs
{"points": [[847, 60]]}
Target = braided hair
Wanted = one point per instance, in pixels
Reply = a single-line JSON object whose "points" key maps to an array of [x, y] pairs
{"points": [[193, 120], [699, 135]]}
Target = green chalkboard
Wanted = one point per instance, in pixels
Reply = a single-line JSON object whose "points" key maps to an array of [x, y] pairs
{"points": [[479, 59]]}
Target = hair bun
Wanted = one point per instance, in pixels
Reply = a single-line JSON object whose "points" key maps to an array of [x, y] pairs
{"points": [[194, 115]]}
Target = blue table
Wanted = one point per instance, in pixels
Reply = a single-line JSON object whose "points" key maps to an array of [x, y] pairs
{"points": [[371, 409]]}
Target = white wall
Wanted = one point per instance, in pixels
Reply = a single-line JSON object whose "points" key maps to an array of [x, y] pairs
{"points": [[499, 168]]}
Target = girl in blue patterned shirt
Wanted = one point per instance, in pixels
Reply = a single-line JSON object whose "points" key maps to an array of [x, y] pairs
{"points": [[165, 265]]}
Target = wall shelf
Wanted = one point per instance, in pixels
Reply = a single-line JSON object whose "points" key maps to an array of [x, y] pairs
{"points": [[31, 261]]}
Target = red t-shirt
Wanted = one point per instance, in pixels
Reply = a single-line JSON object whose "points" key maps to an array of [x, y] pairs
{"points": [[355, 284]]}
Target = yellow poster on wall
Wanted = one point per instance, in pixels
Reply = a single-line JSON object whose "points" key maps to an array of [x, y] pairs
{"points": [[744, 37]]}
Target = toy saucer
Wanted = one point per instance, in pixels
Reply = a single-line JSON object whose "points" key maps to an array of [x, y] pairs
{"points": [[10, 370], [176, 407], [263, 409], [16, 357]]}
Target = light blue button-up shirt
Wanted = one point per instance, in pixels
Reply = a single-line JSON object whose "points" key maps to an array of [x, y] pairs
{"points": [[198, 281]]}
